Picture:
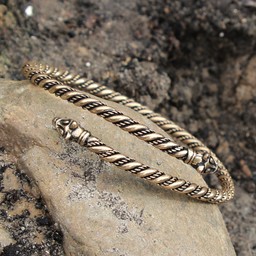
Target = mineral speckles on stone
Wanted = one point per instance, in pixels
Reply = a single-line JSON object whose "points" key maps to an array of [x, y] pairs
{"points": [[119, 208], [25, 227]]}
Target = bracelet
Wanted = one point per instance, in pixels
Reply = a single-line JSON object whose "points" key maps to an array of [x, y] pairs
{"points": [[72, 88]]}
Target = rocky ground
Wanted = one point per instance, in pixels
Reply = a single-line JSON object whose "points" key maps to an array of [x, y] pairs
{"points": [[192, 61]]}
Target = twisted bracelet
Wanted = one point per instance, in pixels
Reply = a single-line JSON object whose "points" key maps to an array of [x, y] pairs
{"points": [[72, 88]]}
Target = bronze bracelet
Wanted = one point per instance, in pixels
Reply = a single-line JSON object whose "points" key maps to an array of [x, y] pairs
{"points": [[63, 84]]}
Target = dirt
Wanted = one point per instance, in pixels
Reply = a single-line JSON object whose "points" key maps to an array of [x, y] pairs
{"points": [[192, 61]]}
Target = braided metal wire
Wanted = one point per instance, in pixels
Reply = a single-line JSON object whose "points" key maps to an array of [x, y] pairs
{"points": [[70, 129], [202, 162], [196, 154]]}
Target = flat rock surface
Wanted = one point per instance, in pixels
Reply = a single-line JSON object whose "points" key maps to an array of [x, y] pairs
{"points": [[102, 210]]}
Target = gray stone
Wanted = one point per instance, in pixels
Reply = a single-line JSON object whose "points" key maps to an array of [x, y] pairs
{"points": [[101, 209], [5, 238]]}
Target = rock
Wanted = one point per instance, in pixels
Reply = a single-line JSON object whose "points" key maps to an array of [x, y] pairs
{"points": [[101, 209], [246, 89], [5, 238], [23, 215], [7, 19]]}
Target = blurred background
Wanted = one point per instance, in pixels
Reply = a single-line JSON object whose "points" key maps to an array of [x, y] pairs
{"points": [[192, 61]]}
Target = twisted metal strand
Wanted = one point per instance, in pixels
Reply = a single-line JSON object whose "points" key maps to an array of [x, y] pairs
{"points": [[202, 162], [200, 157], [106, 93], [71, 130]]}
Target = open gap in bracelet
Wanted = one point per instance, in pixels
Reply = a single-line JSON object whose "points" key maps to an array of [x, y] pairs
{"points": [[212, 181]]}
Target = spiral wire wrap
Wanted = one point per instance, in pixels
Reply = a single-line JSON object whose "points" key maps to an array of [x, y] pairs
{"points": [[72, 88]]}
